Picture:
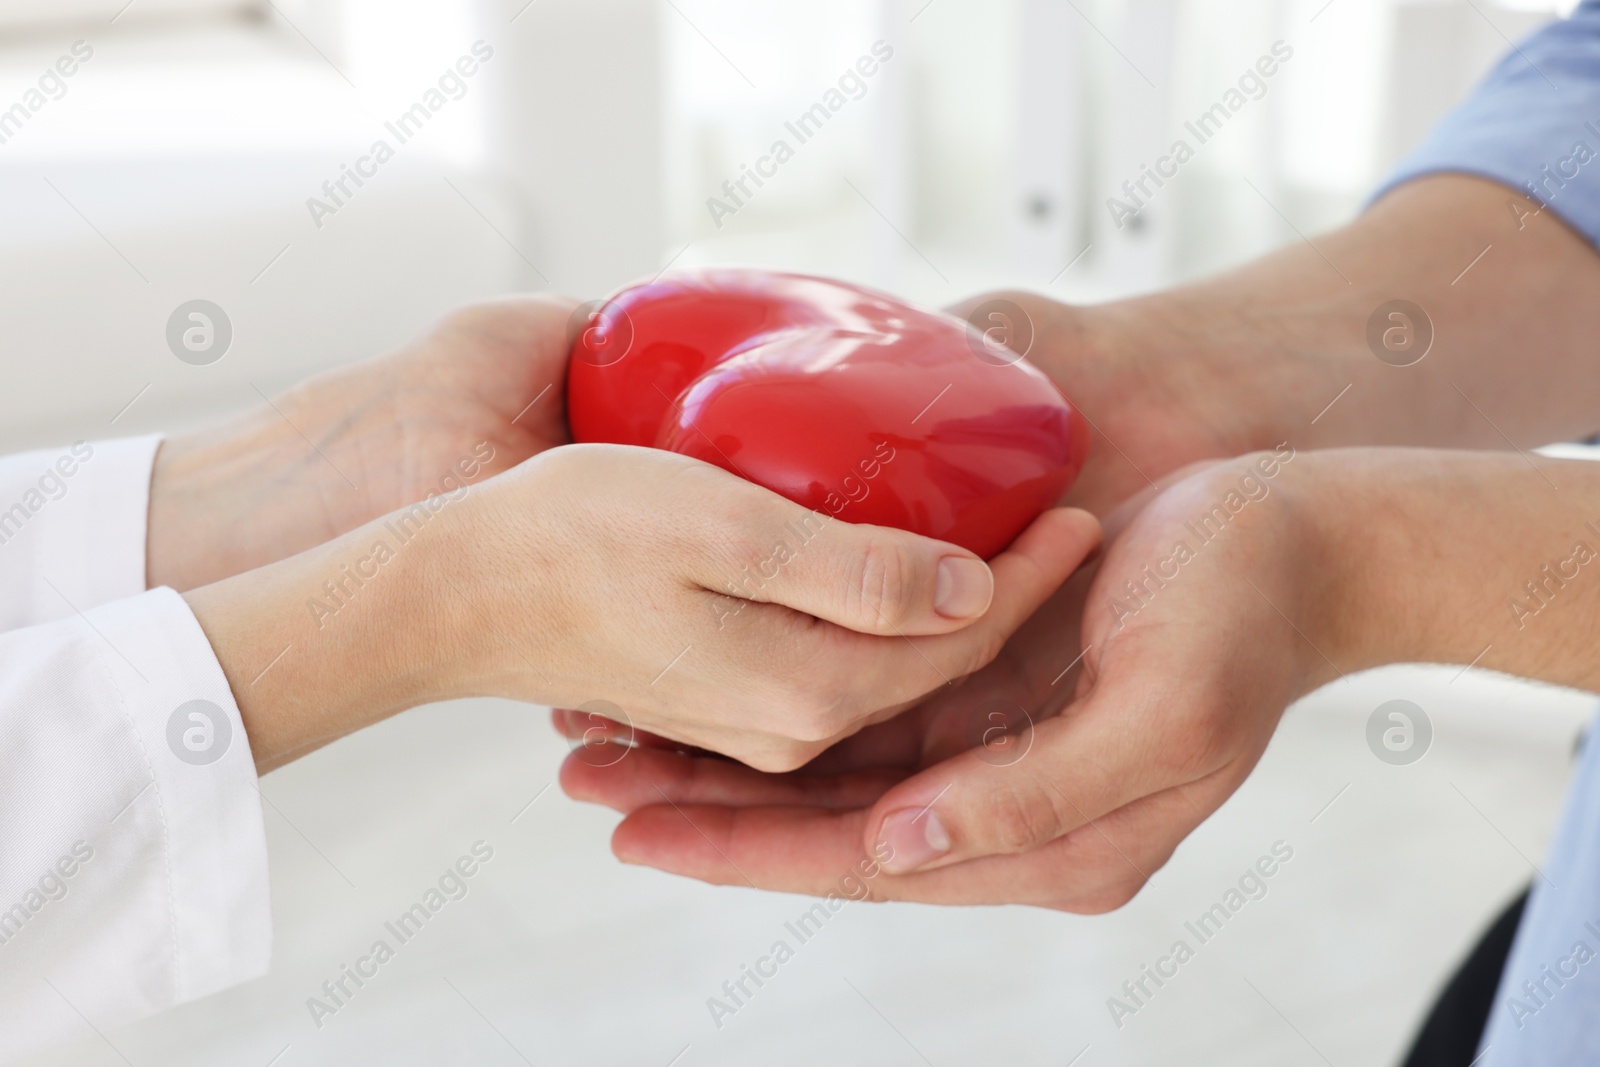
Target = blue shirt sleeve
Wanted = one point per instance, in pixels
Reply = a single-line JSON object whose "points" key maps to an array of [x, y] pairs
{"points": [[1533, 124]]}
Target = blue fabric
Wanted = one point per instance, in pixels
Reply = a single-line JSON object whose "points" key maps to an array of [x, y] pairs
{"points": [[1534, 124], [1547, 1009]]}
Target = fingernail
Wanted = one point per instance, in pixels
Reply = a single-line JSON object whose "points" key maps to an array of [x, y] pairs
{"points": [[963, 587], [911, 838]]}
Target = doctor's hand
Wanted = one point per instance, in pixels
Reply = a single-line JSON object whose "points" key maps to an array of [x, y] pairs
{"points": [[480, 393], [651, 588]]}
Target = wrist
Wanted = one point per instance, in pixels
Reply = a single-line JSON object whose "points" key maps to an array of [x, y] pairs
{"points": [[1345, 616], [332, 639], [1250, 377], [194, 534], [1173, 378], [246, 493], [1455, 557]]}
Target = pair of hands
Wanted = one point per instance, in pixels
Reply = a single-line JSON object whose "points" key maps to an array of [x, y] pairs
{"points": [[1033, 773], [1068, 769], [1063, 774]]}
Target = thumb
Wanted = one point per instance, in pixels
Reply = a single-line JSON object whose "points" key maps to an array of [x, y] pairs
{"points": [[870, 579], [967, 807], [1025, 784]]}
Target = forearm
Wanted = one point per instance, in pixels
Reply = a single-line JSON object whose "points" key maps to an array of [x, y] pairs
{"points": [[1453, 557], [264, 485], [205, 489], [1258, 353]]}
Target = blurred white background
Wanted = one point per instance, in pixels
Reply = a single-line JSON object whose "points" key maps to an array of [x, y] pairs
{"points": [[178, 164]]}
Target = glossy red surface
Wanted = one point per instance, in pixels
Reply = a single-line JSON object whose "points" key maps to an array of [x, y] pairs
{"points": [[842, 399]]}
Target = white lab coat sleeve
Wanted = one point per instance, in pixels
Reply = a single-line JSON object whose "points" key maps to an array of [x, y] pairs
{"points": [[133, 864], [72, 527]]}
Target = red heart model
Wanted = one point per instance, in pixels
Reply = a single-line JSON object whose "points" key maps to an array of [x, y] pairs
{"points": [[843, 400]]}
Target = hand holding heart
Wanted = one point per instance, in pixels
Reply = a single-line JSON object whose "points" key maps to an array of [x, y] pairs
{"points": [[609, 571], [1029, 783], [780, 380]]}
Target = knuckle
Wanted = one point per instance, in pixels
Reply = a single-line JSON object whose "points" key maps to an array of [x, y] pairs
{"points": [[884, 582], [1020, 821]]}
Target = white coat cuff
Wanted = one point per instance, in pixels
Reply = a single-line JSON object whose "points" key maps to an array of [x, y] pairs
{"points": [[205, 787], [72, 527]]}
